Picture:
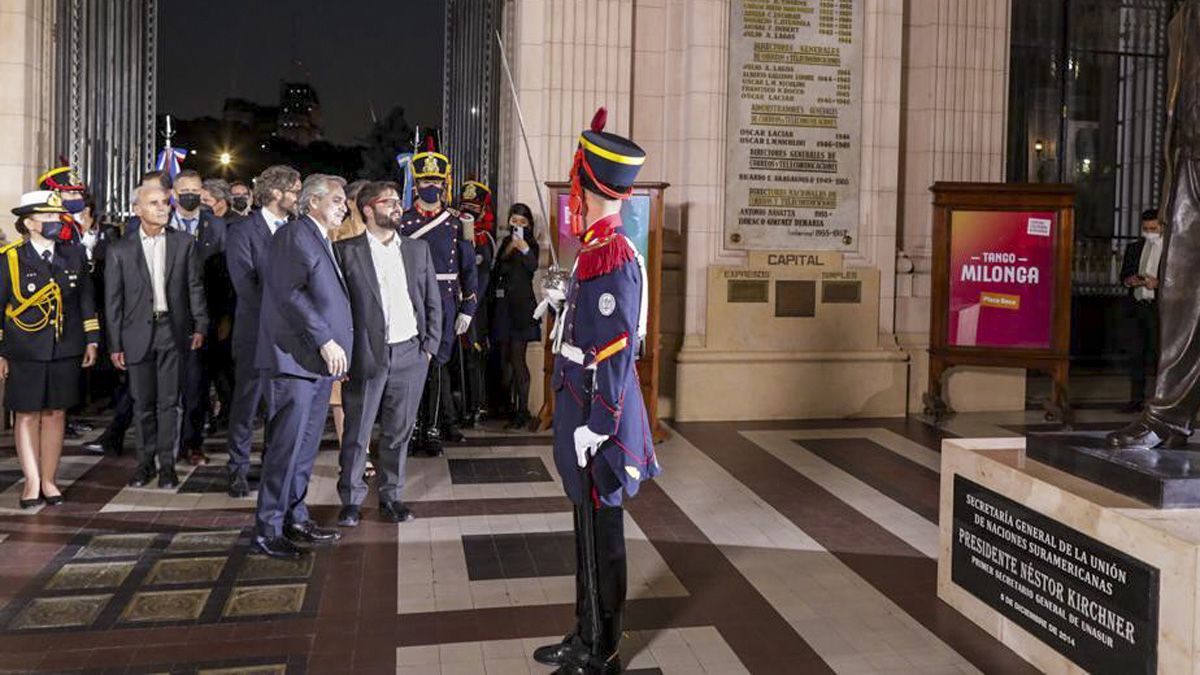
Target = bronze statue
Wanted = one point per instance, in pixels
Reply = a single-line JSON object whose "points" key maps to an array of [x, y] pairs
{"points": [[1167, 419]]}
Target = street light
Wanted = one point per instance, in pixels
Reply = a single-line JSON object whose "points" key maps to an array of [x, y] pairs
{"points": [[226, 159]]}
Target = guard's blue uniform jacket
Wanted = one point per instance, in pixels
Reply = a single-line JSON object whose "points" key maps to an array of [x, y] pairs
{"points": [[454, 264], [601, 318]]}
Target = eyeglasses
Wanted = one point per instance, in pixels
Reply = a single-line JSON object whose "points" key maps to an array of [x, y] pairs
{"points": [[386, 202]]}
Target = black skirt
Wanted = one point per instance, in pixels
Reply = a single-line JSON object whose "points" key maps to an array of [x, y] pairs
{"points": [[33, 386]]}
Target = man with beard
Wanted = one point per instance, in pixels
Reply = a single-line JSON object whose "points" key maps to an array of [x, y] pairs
{"points": [[277, 189], [449, 236], [397, 310], [305, 340]]}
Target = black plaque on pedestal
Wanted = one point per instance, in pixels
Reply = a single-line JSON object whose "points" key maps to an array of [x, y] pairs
{"points": [[1162, 478]]}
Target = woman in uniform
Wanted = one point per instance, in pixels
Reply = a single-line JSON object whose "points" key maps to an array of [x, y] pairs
{"points": [[50, 333], [513, 326]]}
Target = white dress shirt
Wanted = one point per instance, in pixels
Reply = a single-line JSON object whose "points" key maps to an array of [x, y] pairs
{"points": [[274, 221], [398, 313], [41, 249], [155, 249], [1148, 267]]}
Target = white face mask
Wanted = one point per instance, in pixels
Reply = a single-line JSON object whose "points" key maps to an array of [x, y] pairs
{"points": [[1152, 237]]}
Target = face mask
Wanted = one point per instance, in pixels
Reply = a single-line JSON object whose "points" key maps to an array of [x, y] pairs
{"points": [[189, 202], [74, 205], [52, 229], [430, 194], [239, 203], [1152, 237]]}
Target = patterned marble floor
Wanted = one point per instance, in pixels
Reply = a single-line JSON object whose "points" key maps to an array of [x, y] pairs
{"points": [[773, 547]]}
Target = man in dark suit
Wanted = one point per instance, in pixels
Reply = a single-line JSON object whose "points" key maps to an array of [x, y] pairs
{"points": [[246, 252], [113, 439], [208, 231], [305, 340], [155, 307], [397, 310], [1139, 273]]}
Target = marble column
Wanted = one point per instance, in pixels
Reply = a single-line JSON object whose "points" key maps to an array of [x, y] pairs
{"points": [[26, 97], [955, 95]]}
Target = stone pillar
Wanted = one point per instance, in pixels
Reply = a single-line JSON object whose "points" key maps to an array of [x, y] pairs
{"points": [[26, 98], [955, 95]]}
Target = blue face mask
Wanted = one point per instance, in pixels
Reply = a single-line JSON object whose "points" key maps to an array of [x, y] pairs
{"points": [[430, 194], [52, 229], [74, 205]]}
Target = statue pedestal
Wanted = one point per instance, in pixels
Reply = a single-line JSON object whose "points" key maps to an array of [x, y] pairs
{"points": [[1071, 575], [1161, 478]]}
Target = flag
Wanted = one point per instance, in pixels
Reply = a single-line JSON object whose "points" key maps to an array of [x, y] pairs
{"points": [[169, 160], [404, 159]]}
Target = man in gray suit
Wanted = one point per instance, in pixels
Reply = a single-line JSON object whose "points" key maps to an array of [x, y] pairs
{"points": [[154, 302], [397, 312]]}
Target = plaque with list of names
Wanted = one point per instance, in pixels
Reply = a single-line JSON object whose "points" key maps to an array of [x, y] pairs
{"points": [[793, 141], [1089, 602]]}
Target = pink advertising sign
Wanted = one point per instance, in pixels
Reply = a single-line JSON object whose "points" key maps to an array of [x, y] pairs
{"points": [[1001, 279]]}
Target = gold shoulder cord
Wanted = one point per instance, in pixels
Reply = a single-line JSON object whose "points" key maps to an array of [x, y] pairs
{"points": [[48, 299]]}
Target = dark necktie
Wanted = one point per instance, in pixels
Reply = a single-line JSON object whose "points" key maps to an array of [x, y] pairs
{"points": [[47, 256], [190, 225]]}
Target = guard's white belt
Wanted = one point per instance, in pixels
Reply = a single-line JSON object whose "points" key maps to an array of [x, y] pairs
{"points": [[447, 277]]}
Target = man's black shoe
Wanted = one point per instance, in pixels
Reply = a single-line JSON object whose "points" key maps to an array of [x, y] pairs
{"points": [[276, 547], [349, 516], [308, 532], [431, 444], [106, 443], [395, 512], [238, 486], [610, 666], [142, 477], [1142, 435], [557, 654], [452, 434], [168, 479]]}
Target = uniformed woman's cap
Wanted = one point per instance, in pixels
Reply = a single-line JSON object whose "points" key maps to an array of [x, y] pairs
{"points": [[429, 163], [610, 161], [39, 201], [63, 178]]}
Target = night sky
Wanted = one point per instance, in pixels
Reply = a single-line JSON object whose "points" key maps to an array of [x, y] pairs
{"points": [[355, 53]]}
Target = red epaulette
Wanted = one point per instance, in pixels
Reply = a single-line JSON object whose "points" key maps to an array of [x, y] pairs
{"points": [[603, 256]]}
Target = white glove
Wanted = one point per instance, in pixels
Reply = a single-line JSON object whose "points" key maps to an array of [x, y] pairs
{"points": [[335, 358], [587, 442], [571, 353], [461, 324]]}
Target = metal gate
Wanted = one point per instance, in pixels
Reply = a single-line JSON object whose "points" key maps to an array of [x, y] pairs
{"points": [[105, 73], [470, 88]]}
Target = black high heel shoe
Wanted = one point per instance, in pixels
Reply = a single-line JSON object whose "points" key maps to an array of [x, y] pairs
{"points": [[55, 500], [30, 503]]}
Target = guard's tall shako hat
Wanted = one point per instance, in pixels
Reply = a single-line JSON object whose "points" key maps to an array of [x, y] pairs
{"points": [[61, 179], [479, 195], [606, 164], [429, 163], [39, 201]]}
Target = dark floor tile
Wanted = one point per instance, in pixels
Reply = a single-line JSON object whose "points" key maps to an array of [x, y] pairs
{"points": [[912, 485], [498, 470], [214, 478], [519, 555]]}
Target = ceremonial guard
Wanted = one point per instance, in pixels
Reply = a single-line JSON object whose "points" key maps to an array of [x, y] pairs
{"points": [[476, 199], [50, 332], [602, 444], [450, 238], [64, 182]]}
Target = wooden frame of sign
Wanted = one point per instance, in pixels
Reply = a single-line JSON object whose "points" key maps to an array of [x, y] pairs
{"points": [[1054, 357], [649, 364]]}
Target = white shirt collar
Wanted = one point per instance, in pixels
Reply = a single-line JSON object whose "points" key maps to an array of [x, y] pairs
{"points": [[376, 241], [271, 217], [146, 237], [40, 249]]}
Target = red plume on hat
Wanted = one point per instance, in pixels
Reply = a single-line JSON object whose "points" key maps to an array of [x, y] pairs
{"points": [[600, 119]]}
